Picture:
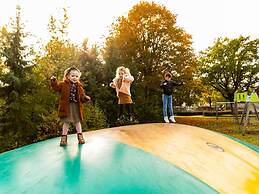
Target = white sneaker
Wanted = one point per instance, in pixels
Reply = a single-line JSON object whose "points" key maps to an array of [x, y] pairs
{"points": [[172, 119], [166, 119]]}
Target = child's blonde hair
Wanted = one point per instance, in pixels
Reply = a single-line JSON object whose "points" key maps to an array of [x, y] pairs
{"points": [[68, 70], [122, 68]]}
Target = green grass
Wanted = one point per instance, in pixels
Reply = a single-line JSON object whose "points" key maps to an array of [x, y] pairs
{"points": [[224, 125]]}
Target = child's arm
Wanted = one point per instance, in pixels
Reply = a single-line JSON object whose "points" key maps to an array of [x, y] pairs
{"points": [[112, 84], [128, 78], [174, 83], [84, 97], [55, 84]]}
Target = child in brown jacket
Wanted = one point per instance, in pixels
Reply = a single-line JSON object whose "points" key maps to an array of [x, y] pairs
{"points": [[71, 100]]}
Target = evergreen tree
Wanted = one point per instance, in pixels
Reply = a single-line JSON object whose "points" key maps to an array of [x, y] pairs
{"points": [[16, 84]]}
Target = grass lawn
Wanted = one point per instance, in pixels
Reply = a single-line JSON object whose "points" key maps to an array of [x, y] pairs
{"points": [[224, 125]]}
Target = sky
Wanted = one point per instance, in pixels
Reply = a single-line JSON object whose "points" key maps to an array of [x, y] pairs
{"points": [[205, 20]]}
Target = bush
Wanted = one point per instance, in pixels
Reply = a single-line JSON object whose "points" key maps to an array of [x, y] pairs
{"points": [[94, 118], [50, 126], [146, 113]]}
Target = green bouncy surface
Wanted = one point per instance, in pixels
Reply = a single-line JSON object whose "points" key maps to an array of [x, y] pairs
{"points": [[103, 165], [100, 166]]}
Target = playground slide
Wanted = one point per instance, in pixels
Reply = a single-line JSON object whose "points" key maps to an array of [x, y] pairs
{"points": [[145, 158]]}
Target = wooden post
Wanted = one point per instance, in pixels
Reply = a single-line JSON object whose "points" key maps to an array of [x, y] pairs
{"points": [[236, 113], [217, 114], [256, 113], [247, 114]]}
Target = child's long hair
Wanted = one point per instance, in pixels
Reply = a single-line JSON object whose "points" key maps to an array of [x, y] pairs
{"points": [[68, 70], [122, 68]]}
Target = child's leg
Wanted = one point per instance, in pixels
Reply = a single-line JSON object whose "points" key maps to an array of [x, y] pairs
{"points": [[120, 111], [80, 136], [171, 112], [63, 140], [164, 99], [78, 127], [165, 104], [65, 128], [129, 110], [170, 104]]}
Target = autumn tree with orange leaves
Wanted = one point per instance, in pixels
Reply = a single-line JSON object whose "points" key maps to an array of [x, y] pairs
{"points": [[149, 42]]}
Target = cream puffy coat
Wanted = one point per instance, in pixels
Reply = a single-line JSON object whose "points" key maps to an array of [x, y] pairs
{"points": [[125, 86]]}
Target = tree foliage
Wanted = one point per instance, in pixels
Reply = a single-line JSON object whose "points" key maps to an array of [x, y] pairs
{"points": [[28, 107], [16, 84], [59, 53], [149, 42], [230, 64]]}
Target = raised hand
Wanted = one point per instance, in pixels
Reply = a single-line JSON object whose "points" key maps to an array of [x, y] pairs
{"points": [[52, 78]]}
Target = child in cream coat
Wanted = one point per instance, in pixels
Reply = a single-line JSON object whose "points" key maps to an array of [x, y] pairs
{"points": [[122, 83]]}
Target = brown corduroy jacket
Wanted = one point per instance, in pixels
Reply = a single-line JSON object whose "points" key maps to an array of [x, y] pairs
{"points": [[63, 87]]}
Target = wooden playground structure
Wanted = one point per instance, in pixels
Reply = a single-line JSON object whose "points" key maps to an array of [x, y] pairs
{"points": [[249, 103]]}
